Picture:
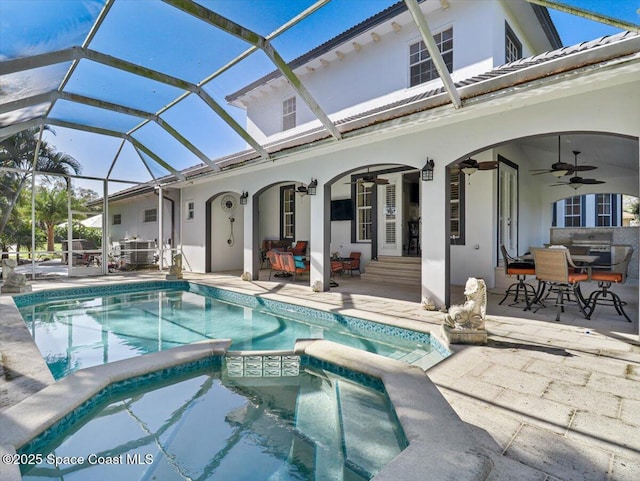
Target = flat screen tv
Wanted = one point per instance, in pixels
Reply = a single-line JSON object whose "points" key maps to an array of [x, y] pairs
{"points": [[342, 209]]}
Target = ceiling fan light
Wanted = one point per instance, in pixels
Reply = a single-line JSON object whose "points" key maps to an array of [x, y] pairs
{"points": [[368, 183], [559, 173], [575, 185], [469, 170]]}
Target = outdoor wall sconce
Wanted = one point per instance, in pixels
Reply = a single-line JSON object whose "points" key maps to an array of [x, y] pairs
{"points": [[309, 189], [244, 198], [427, 170]]}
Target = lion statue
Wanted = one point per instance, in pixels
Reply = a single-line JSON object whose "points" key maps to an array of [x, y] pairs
{"points": [[175, 271], [471, 314]]}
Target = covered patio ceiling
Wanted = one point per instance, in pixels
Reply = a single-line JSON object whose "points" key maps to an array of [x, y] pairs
{"points": [[153, 76]]}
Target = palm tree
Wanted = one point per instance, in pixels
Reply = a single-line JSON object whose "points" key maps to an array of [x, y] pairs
{"points": [[51, 209], [18, 152]]}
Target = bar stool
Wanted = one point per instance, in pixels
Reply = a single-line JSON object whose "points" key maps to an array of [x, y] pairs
{"points": [[520, 269], [617, 275]]}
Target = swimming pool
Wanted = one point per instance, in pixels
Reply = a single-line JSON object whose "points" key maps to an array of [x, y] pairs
{"points": [[83, 327], [201, 423]]}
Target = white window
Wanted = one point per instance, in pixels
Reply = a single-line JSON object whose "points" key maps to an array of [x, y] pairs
{"points": [[390, 211], [603, 208], [364, 196], [117, 219], [512, 46], [150, 215], [289, 114], [421, 67], [573, 211], [456, 208], [191, 210], [287, 212]]}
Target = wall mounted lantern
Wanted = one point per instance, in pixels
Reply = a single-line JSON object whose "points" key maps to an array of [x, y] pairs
{"points": [[309, 189], [244, 198], [427, 170]]}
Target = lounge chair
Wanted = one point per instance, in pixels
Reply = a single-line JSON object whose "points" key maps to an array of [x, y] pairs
{"points": [[286, 263]]}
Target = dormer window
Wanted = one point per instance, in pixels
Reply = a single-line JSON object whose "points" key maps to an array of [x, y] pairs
{"points": [[421, 67], [512, 46], [289, 114]]}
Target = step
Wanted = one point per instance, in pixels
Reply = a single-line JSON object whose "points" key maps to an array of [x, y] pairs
{"points": [[400, 260], [369, 432], [383, 269], [404, 281], [316, 418]]}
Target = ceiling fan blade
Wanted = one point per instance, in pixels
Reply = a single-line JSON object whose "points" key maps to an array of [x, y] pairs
{"points": [[379, 181], [489, 165], [582, 168], [592, 181]]}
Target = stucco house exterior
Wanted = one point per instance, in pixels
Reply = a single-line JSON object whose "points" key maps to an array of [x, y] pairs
{"points": [[520, 92]]}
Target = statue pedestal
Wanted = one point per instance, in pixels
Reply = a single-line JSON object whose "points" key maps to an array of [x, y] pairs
{"points": [[464, 336], [174, 277], [9, 289]]}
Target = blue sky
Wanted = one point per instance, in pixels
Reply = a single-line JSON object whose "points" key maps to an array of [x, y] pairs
{"points": [[28, 24]]}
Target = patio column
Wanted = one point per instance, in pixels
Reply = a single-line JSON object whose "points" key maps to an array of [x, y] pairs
{"points": [[435, 235], [319, 243], [251, 258]]}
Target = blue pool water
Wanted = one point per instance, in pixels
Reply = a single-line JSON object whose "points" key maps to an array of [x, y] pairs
{"points": [[75, 329], [207, 425]]}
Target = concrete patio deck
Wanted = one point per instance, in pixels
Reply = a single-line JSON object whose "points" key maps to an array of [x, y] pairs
{"points": [[563, 398]]}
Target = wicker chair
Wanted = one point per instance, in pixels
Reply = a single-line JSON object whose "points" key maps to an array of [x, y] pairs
{"points": [[520, 269], [561, 276], [603, 296]]}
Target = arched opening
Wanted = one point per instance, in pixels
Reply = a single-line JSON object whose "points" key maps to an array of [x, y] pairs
{"points": [[512, 202]]}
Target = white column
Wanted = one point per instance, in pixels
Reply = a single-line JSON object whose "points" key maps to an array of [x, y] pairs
{"points": [[251, 259], [106, 234], [160, 230], [319, 243], [434, 236]]}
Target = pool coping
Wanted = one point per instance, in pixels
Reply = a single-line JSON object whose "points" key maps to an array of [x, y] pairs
{"points": [[438, 440]]}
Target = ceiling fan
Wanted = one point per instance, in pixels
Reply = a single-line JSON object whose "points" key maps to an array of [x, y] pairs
{"points": [[560, 169], [369, 180], [469, 166], [576, 182]]}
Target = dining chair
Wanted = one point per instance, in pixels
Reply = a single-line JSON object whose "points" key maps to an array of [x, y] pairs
{"points": [[521, 269], [561, 276], [603, 296], [300, 249], [353, 263]]}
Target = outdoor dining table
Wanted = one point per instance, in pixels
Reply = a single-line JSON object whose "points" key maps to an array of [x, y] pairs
{"points": [[580, 260], [576, 258]]}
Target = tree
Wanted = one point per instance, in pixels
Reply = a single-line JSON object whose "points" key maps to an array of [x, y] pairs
{"points": [[51, 209], [51, 206], [17, 152]]}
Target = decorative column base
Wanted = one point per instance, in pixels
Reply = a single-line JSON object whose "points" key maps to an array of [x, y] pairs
{"points": [[464, 336], [8, 289]]}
